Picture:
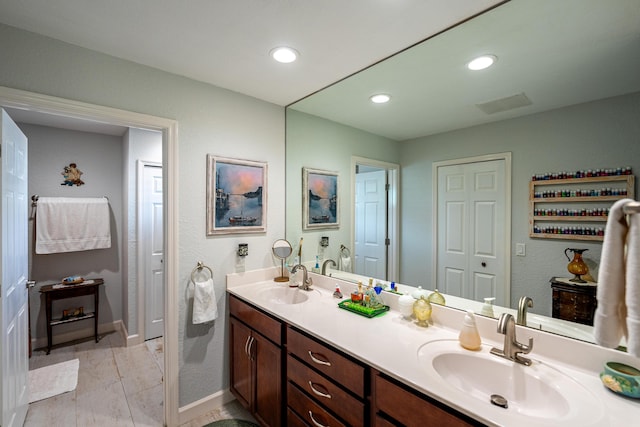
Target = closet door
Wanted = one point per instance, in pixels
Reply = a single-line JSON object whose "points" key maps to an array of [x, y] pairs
{"points": [[471, 230]]}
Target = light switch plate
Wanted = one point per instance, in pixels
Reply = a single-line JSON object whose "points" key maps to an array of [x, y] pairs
{"points": [[521, 249]]}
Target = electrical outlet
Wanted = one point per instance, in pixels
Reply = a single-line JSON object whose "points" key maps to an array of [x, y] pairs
{"points": [[521, 249]]}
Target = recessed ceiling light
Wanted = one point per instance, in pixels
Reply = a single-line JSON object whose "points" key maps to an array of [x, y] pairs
{"points": [[380, 98], [284, 54], [482, 62]]}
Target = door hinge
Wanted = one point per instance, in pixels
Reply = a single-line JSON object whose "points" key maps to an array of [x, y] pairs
{"points": [[387, 241], [387, 187]]}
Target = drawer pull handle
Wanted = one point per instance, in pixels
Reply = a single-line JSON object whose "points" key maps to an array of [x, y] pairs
{"points": [[319, 393], [313, 420], [318, 361]]}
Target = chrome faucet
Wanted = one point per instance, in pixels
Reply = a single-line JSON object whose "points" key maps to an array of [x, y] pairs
{"points": [[523, 304], [324, 266], [512, 348], [306, 280]]}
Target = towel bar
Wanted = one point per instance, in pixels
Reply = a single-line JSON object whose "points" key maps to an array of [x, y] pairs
{"points": [[35, 197], [631, 208]]}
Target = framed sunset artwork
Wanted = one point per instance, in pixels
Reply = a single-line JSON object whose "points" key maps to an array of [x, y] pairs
{"points": [[236, 196]]}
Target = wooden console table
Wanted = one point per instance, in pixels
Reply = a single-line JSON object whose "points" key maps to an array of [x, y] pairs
{"points": [[60, 291]]}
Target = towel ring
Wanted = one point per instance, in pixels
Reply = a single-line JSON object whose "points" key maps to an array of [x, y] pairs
{"points": [[199, 268]]}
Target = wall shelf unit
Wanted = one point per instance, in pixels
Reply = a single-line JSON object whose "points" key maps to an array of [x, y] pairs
{"points": [[575, 208]]}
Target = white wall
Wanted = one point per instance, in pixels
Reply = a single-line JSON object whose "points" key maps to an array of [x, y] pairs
{"points": [[99, 157], [322, 144], [210, 120]]}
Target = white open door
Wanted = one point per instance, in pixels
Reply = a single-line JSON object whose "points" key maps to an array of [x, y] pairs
{"points": [[152, 246], [471, 229], [14, 294], [371, 224]]}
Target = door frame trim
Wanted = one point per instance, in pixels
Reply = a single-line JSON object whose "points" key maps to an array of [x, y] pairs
{"points": [[506, 156], [393, 220], [15, 98]]}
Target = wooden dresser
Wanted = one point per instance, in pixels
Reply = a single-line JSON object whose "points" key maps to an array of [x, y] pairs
{"points": [[575, 302]]}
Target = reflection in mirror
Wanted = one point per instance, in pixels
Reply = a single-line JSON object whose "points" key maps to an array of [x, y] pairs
{"points": [[281, 250], [563, 95]]}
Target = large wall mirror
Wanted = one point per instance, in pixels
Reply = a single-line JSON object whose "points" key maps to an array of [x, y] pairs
{"points": [[562, 95]]}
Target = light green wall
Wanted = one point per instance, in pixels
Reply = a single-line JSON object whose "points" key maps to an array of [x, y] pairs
{"points": [[210, 120], [322, 144], [601, 134]]}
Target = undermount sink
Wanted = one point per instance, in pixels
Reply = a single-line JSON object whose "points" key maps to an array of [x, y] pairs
{"points": [[538, 393], [282, 295]]}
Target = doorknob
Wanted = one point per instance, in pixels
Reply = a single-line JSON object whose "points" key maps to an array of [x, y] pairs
{"points": [[31, 284]]}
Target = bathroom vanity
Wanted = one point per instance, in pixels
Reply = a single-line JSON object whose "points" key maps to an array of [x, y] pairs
{"points": [[299, 360]]}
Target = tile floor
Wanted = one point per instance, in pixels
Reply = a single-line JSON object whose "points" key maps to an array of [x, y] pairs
{"points": [[117, 386]]}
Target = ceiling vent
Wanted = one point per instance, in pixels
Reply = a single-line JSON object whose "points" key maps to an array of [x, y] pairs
{"points": [[504, 104]]}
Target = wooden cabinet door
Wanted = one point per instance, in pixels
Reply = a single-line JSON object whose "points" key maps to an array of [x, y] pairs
{"points": [[241, 372], [267, 360]]}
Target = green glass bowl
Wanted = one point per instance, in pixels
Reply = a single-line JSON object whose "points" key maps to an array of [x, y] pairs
{"points": [[622, 379]]}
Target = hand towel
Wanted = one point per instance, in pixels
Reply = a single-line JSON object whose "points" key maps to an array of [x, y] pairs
{"points": [[205, 305], [345, 263], [632, 289], [69, 224], [610, 317]]}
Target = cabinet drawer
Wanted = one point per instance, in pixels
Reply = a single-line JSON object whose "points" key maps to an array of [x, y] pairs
{"points": [[339, 368], [293, 420], [325, 392], [257, 320], [410, 409], [308, 410]]}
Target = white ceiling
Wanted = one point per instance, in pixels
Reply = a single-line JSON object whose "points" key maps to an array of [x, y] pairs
{"points": [[558, 53], [227, 42]]}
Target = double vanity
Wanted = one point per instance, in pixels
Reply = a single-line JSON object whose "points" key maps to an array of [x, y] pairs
{"points": [[297, 359]]}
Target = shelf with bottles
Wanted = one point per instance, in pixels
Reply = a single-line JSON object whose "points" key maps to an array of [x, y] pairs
{"points": [[584, 201]]}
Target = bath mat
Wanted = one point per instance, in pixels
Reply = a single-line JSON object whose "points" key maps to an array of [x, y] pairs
{"points": [[232, 423], [53, 380]]}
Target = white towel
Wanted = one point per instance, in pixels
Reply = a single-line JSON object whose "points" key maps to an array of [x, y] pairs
{"points": [[632, 294], [69, 224], [205, 306], [345, 263], [610, 317]]}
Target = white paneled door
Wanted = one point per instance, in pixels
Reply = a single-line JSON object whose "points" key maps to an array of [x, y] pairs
{"points": [[152, 241], [371, 224], [471, 227], [14, 292]]}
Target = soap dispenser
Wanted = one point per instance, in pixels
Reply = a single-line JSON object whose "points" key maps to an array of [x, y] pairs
{"points": [[469, 337], [487, 308]]}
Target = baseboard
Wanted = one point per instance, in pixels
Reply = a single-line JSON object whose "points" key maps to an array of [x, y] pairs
{"points": [[85, 332], [203, 406]]}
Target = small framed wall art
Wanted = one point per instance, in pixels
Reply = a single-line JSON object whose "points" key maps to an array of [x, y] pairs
{"points": [[320, 204], [236, 196]]}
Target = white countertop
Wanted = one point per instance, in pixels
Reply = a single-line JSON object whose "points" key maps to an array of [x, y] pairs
{"points": [[390, 343]]}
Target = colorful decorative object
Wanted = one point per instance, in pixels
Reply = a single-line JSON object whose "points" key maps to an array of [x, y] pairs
{"points": [[622, 379], [236, 196], [72, 175], [320, 207]]}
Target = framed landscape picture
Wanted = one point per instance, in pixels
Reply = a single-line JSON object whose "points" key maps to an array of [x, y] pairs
{"points": [[320, 204], [236, 196]]}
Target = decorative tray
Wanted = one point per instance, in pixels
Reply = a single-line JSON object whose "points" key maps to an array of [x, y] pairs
{"points": [[357, 308]]}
